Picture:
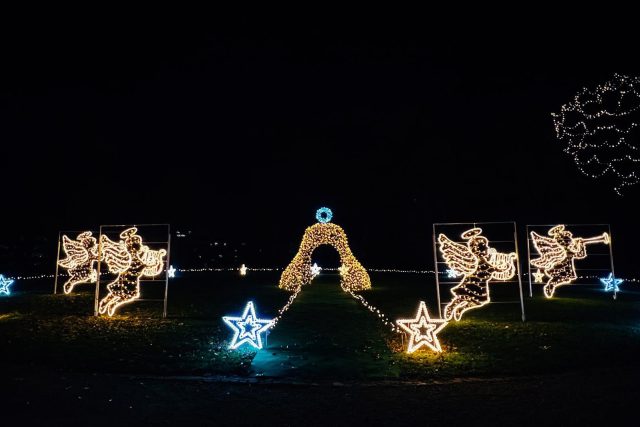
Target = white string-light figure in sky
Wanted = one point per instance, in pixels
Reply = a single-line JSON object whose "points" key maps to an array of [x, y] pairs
{"points": [[557, 254], [353, 275], [130, 260], [601, 132], [81, 256], [478, 264]]}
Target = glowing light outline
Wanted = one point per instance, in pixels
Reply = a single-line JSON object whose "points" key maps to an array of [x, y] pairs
{"points": [[249, 312], [80, 270], [554, 255], [121, 263], [611, 283], [327, 217], [412, 326], [464, 261], [4, 285]]}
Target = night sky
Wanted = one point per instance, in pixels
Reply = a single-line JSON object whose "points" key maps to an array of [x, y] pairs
{"points": [[242, 136]]}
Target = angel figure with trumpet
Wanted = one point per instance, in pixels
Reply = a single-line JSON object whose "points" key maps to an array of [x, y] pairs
{"points": [[130, 260], [558, 253], [81, 256], [478, 264]]}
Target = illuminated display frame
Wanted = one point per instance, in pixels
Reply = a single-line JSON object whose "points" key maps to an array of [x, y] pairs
{"points": [[487, 227], [113, 233], [579, 231]]}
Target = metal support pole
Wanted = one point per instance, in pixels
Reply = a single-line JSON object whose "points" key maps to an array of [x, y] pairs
{"points": [[529, 262], [435, 265], [613, 272], [166, 274], [55, 283], [97, 297], [515, 239]]}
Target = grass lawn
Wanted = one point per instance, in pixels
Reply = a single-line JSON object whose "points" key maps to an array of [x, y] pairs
{"points": [[325, 333]]}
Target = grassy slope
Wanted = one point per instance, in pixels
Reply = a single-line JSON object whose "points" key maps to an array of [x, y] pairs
{"points": [[59, 332]]}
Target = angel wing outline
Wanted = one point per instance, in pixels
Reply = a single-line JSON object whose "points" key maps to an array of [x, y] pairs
{"points": [[457, 256], [550, 251], [115, 254]]}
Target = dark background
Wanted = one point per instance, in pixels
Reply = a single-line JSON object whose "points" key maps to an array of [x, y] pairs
{"points": [[239, 136]]}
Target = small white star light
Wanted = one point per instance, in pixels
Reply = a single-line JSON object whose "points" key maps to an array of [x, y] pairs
{"points": [[243, 270], [247, 328], [423, 330], [538, 276], [315, 269], [4, 285], [611, 283], [171, 272], [451, 273]]}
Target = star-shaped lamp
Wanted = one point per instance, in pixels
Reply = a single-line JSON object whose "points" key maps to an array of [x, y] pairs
{"points": [[538, 276], [451, 273], [423, 330], [171, 272], [611, 283], [4, 285], [343, 269], [247, 328], [315, 269], [243, 270]]}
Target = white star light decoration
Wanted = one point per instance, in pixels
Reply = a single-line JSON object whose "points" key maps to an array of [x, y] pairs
{"points": [[171, 272], [247, 328], [538, 276], [243, 270], [423, 330], [4, 285], [451, 273], [315, 269], [343, 269], [611, 283]]}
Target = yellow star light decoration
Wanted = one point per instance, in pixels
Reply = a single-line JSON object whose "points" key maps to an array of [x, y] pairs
{"points": [[538, 276], [81, 256], [243, 270], [478, 264], [130, 260], [422, 330], [558, 253], [298, 273]]}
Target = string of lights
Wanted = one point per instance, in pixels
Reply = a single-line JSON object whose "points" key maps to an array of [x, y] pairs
{"points": [[383, 318], [600, 130]]}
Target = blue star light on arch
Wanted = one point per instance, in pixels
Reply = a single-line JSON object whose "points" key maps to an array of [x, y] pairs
{"points": [[4, 285], [247, 328], [611, 283]]}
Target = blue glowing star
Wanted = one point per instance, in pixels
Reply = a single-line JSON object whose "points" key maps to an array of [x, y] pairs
{"points": [[4, 285], [611, 283], [247, 328], [324, 215], [171, 272]]}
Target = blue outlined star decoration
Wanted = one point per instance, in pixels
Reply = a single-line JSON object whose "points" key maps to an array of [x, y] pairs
{"points": [[4, 285], [247, 328], [611, 283], [423, 330]]}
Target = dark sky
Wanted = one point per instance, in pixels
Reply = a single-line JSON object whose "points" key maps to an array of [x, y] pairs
{"points": [[244, 135]]}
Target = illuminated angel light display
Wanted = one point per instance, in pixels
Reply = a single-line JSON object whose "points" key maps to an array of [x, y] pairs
{"points": [[478, 264], [423, 330], [600, 130], [4, 285], [130, 260], [247, 329], [611, 283], [81, 256], [298, 273], [558, 253]]}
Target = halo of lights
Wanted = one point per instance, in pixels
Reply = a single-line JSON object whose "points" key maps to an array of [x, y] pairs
{"points": [[478, 264], [81, 256], [324, 215], [298, 273], [600, 130], [130, 260], [558, 253]]}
